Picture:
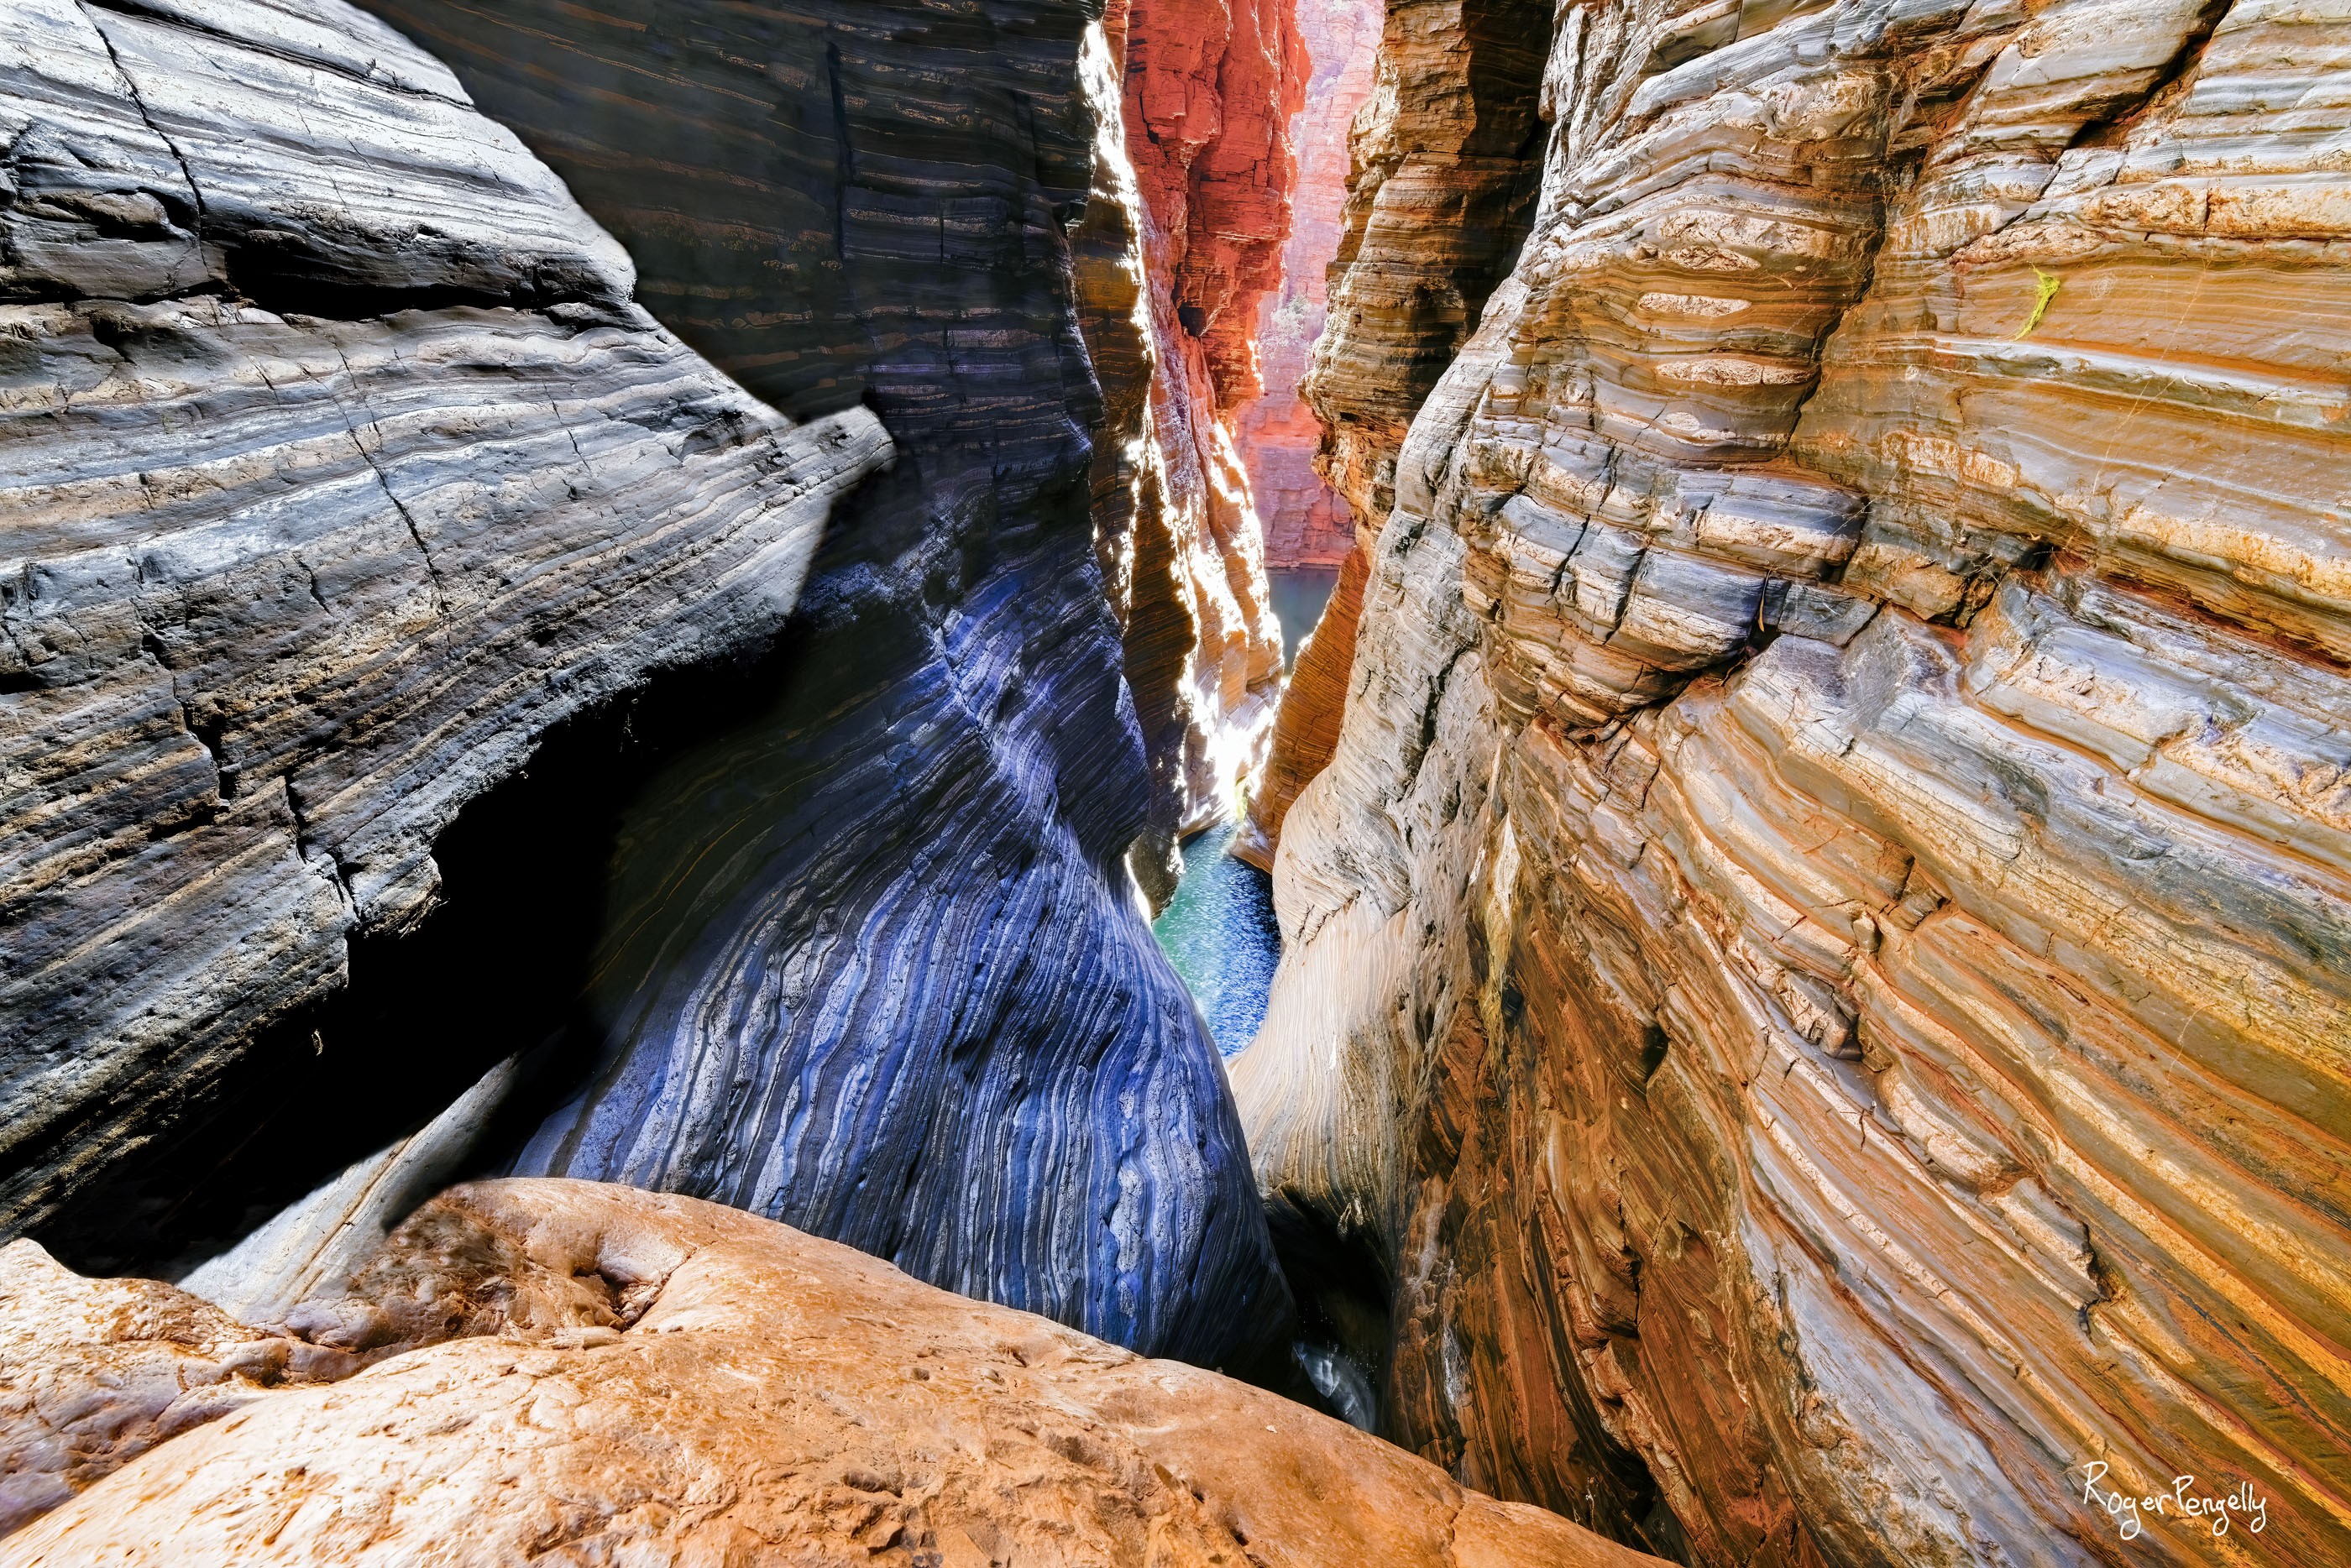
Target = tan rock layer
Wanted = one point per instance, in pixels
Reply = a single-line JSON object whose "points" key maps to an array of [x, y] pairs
{"points": [[1445, 161], [1443, 180], [642, 1376], [1830, 903]]}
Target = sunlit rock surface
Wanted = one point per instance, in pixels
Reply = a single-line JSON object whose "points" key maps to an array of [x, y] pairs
{"points": [[1191, 201], [607, 1374], [1306, 523], [871, 959], [94, 1372], [1831, 904], [337, 467], [1444, 160]]}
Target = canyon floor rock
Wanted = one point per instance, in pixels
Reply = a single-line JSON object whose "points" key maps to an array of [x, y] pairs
{"points": [[651, 1378]]}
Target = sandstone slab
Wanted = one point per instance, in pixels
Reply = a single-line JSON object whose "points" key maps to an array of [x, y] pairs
{"points": [[646, 1377]]}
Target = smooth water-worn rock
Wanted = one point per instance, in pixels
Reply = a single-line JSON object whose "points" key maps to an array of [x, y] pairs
{"points": [[1830, 903], [94, 1372], [871, 961], [1306, 523], [1191, 200], [338, 467], [1444, 160], [597, 1374]]}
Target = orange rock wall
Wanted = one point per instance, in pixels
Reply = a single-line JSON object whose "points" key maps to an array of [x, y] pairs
{"points": [[1183, 237], [1821, 960], [1306, 523]]}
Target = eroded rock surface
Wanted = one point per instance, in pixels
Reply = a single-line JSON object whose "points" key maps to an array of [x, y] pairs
{"points": [[337, 466], [1830, 903], [872, 963], [1444, 160], [634, 1374], [1306, 523], [1191, 200], [93, 1373]]}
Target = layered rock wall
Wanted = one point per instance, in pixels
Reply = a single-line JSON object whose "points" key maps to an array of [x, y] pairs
{"points": [[339, 466], [1444, 160], [347, 468], [1444, 169], [871, 962], [1182, 237], [1306, 524], [1830, 903]]}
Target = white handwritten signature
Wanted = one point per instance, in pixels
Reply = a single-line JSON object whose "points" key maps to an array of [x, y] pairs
{"points": [[2130, 1511]]}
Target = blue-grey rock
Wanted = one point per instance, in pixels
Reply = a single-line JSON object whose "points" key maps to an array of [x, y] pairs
{"points": [[873, 964], [338, 467]]}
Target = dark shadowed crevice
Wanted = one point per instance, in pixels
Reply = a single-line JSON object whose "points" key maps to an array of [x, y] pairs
{"points": [[497, 967]]}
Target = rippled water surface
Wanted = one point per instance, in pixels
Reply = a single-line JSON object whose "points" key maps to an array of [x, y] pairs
{"points": [[1219, 930], [1220, 933]]}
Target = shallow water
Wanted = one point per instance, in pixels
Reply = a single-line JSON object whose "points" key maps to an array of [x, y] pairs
{"points": [[1219, 931], [1298, 595]]}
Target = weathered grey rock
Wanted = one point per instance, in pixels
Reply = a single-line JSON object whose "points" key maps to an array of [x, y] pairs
{"points": [[313, 1246], [872, 963], [1830, 904], [337, 466]]}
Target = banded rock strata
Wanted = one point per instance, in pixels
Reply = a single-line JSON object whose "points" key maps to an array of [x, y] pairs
{"points": [[1306, 523], [1191, 200], [1830, 901], [871, 962], [337, 466], [1444, 164], [596, 1373]]}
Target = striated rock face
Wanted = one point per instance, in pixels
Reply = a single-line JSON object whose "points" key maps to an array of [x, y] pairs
{"points": [[1306, 524], [338, 467], [1831, 901], [1306, 726], [621, 1376], [1444, 161], [1190, 202], [871, 961]]}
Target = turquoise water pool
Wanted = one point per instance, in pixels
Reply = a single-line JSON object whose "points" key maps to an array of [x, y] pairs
{"points": [[1220, 933], [1219, 930]]}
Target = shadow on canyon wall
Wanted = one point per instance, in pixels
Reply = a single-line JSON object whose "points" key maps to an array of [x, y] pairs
{"points": [[500, 966]]}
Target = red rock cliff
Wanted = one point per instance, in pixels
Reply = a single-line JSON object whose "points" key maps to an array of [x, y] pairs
{"points": [[1183, 239], [1306, 522]]}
